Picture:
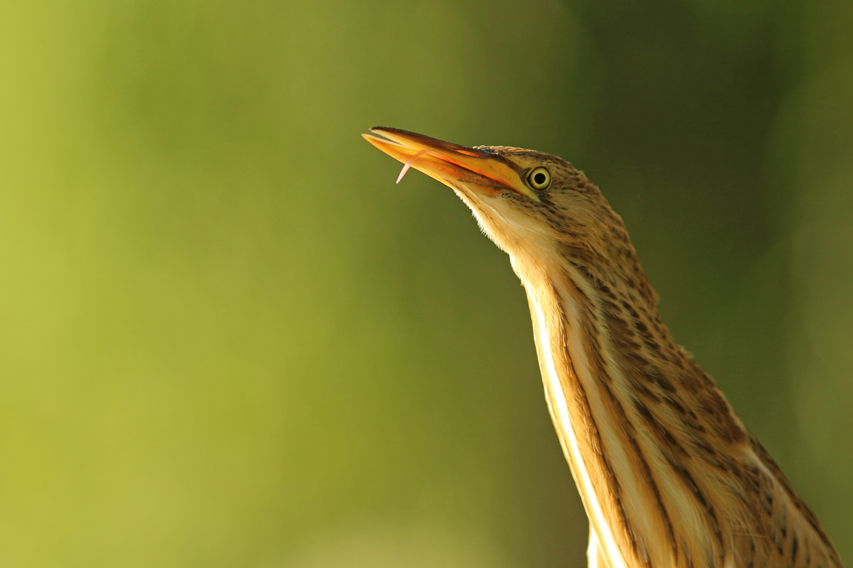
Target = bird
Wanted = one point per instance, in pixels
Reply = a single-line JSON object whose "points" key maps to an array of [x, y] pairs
{"points": [[668, 474]]}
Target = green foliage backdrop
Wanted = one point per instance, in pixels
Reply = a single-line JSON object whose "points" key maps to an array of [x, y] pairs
{"points": [[228, 339]]}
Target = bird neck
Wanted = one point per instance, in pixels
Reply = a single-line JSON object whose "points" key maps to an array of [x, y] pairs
{"points": [[608, 363]]}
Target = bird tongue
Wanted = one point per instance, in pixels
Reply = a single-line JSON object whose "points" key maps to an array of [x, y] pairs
{"points": [[408, 164]]}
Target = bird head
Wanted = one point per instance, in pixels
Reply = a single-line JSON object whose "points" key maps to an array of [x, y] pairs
{"points": [[535, 206]]}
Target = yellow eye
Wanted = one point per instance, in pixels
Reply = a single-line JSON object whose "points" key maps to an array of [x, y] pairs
{"points": [[539, 178]]}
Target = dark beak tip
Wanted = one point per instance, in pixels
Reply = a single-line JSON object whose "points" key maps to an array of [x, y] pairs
{"points": [[389, 129]]}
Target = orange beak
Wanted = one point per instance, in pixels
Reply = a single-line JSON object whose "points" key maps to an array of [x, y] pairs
{"points": [[451, 164]]}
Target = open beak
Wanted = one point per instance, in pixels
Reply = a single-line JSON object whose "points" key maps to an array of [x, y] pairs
{"points": [[451, 164]]}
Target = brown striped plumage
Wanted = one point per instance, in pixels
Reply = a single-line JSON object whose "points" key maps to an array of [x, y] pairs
{"points": [[668, 474]]}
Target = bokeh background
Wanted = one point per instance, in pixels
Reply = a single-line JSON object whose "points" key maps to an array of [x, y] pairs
{"points": [[227, 339]]}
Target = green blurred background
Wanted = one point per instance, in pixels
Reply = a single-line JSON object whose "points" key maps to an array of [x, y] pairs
{"points": [[228, 339]]}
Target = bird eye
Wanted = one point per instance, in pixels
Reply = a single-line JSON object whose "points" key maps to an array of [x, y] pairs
{"points": [[539, 178]]}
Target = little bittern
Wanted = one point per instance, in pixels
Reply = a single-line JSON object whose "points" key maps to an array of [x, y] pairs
{"points": [[668, 474]]}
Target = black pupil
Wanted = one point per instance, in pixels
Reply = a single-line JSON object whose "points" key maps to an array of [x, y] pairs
{"points": [[539, 178]]}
